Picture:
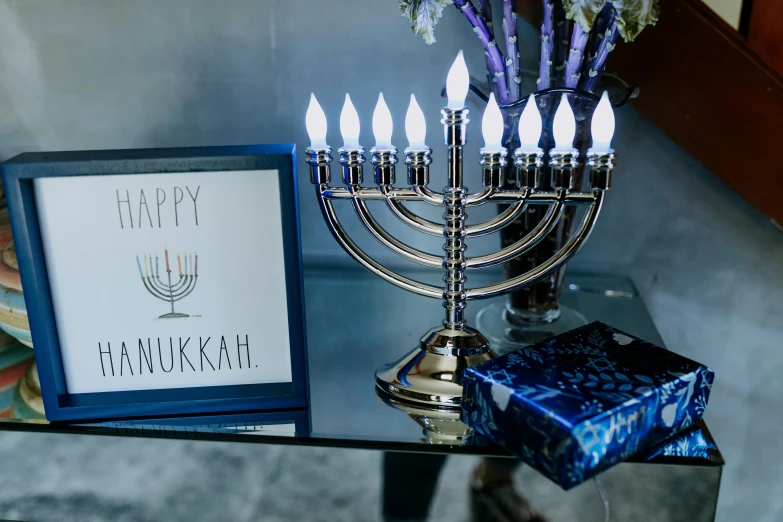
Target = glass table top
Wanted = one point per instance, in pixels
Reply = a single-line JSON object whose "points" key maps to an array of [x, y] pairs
{"points": [[355, 323]]}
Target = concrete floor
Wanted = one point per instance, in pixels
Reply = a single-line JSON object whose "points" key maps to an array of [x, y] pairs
{"points": [[84, 74], [95, 479]]}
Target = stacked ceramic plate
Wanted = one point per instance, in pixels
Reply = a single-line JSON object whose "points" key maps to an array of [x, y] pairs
{"points": [[27, 401], [13, 312], [20, 391], [15, 361]]}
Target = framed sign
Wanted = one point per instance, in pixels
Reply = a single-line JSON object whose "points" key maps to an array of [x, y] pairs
{"points": [[161, 281]]}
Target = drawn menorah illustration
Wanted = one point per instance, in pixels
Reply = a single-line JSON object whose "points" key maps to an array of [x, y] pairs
{"points": [[168, 291], [432, 373]]}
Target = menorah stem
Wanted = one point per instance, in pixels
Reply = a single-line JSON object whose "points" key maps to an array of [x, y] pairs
{"points": [[171, 292], [454, 258], [454, 199], [455, 166]]}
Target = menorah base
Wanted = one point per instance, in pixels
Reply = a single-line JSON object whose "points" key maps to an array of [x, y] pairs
{"points": [[438, 425], [172, 315], [432, 373]]}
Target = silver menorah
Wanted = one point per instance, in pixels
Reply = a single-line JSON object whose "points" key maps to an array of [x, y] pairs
{"points": [[432, 373], [168, 291]]}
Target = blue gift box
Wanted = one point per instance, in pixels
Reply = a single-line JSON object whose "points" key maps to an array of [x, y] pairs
{"points": [[584, 400]]}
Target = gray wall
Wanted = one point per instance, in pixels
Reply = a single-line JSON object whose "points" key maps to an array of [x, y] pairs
{"points": [[90, 74]]}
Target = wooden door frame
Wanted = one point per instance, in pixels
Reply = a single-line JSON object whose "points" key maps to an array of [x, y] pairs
{"points": [[710, 92]]}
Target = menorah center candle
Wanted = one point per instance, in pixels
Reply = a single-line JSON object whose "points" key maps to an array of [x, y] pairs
{"points": [[144, 209]]}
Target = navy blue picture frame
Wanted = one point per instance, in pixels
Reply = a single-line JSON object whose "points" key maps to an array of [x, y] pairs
{"points": [[18, 175]]}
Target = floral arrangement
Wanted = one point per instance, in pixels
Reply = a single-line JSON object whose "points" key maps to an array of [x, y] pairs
{"points": [[576, 62]]}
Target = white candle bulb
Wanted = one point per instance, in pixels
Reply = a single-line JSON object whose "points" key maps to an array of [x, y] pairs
{"points": [[382, 124], [349, 125], [315, 121], [492, 126], [530, 126], [457, 83], [602, 128], [415, 125], [564, 126]]}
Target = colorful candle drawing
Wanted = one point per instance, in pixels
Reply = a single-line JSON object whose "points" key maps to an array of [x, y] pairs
{"points": [[166, 251], [168, 290]]}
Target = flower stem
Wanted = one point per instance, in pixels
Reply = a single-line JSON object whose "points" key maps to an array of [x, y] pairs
{"points": [[547, 46], [598, 64], [575, 56], [512, 50], [596, 35], [485, 10], [561, 44], [490, 46]]}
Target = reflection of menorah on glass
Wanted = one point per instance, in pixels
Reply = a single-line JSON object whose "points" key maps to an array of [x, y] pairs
{"points": [[169, 292], [432, 373]]}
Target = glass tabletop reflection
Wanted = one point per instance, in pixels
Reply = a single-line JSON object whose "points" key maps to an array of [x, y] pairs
{"points": [[355, 323]]}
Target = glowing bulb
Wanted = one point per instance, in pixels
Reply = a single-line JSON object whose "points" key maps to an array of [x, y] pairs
{"points": [[564, 127], [382, 124], [457, 83], [602, 127], [492, 126], [415, 125], [530, 126], [315, 121], [349, 125]]}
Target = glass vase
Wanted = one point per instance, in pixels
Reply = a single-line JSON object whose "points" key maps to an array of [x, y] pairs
{"points": [[535, 312]]}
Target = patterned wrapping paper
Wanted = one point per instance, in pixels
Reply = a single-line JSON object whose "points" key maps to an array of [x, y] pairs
{"points": [[694, 444], [579, 403]]}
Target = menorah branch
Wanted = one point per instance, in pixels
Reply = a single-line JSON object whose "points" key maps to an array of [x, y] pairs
{"points": [[371, 193], [412, 220], [390, 242], [184, 289], [525, 244], [498, 222], [366, 261], [429, 196], [152, 290], [479, 198], [165, 288], [552, 264]]}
